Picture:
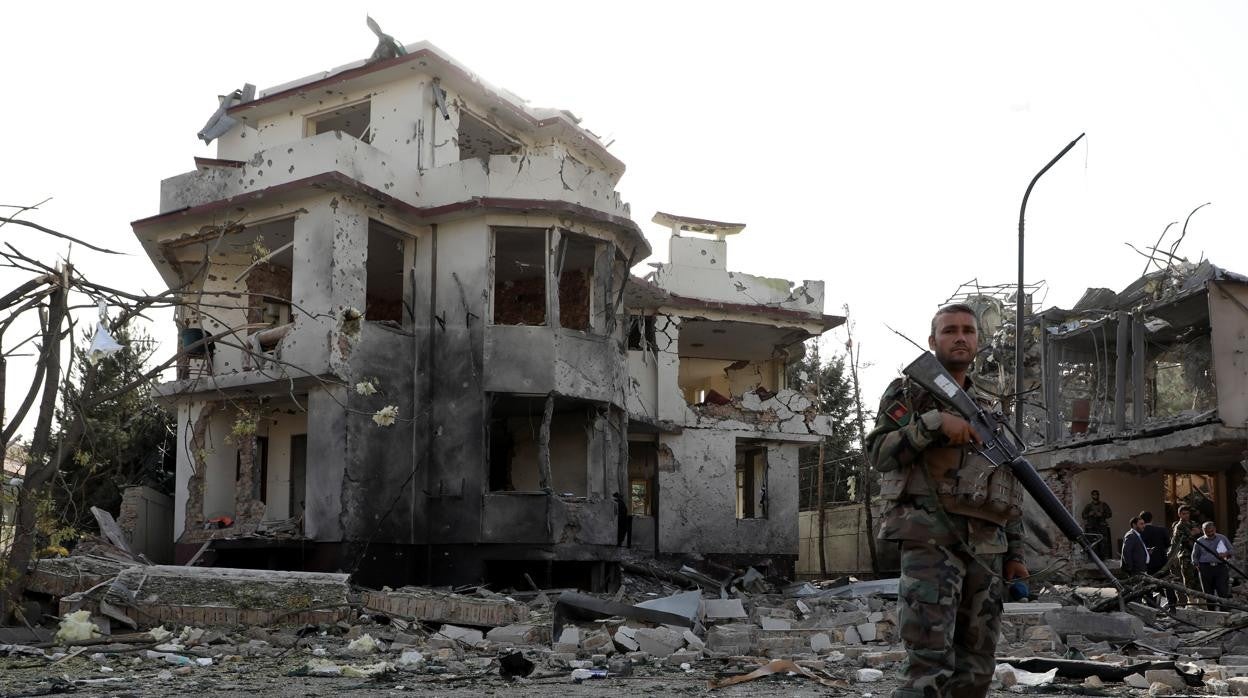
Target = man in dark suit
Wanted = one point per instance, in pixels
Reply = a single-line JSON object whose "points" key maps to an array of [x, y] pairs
{"points": [[1157, 540], [1134, 551]]}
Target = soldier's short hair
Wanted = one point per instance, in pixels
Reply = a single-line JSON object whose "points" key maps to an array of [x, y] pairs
{"points": [[1183, 508], [1207, 524], [1096, 492], [1147, 516], [954, 308]]}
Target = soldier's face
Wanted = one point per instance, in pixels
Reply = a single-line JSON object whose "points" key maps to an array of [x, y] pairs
{"points": [[1185, 515], [1096, 496], [1139, 526], [956, 340]]}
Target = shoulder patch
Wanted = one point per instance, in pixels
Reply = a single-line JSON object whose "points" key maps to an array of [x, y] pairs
{"points": [[898, 413]]}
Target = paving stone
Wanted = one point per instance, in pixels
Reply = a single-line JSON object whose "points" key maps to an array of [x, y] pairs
{"points": [[770, 623], [1237, 686], [1200, 617], [624, 637], [724, 609], [820, 643], [868, 675], [1167, 677], [1136, 681], [1094, 626], [517, 634], [867, 632], [731, 639], [659, 642], [694, 642], [569, 640]]}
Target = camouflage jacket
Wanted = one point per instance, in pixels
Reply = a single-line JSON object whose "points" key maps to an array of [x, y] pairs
{"points": [[919, 472], [1097, 514], [1182, 539]]}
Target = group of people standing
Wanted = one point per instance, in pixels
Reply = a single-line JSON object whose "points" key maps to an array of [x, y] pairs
{"points": [[1196, 554]]}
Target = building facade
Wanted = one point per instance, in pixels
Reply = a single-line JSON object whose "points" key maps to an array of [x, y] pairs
{"points": [[405, 348]]}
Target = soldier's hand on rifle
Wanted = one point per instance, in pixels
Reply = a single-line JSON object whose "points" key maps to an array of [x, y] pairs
{"points": [[957, 430]]}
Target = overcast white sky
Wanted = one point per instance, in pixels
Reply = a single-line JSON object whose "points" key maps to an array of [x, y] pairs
{"points": [[882, 147]]}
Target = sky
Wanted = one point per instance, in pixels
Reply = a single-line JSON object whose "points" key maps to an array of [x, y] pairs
{"points": [[880, 146]]}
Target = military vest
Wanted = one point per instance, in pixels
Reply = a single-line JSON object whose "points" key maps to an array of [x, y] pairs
{"points": [[964, 482]]}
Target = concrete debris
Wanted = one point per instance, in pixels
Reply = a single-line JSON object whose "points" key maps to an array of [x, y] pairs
{"points": [[411, 603], [647, 631]]}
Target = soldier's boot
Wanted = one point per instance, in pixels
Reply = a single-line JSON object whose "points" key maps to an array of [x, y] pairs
{"points": [[971, 686]]}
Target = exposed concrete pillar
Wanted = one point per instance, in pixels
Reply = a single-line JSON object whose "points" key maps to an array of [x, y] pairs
{"points": [[1139, 354], [1120, 370], [543, 445], [1049, 379]]}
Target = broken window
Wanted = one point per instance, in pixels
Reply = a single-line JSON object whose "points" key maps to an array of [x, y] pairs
{"points": [[641, 333], [643, 458], [267, 250], [751, 481], [384, 274], [478, 139], [355, 120], [520, 276], [1183, 381], [578, 297], [530, 443]]}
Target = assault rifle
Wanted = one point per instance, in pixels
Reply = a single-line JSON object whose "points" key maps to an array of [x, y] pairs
{"points": [[1001, 450]]}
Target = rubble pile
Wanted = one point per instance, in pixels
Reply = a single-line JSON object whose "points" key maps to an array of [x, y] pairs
{"points": [[153, 630]]}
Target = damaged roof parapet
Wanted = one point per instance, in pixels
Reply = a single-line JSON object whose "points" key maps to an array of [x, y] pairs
{"points": [[697, 270]]}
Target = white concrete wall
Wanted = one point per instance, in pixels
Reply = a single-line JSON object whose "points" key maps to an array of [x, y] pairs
{"points": [[1230, 350], [279, 427], [698, 496], [221, 464], [699, 270], [1127, 494]]}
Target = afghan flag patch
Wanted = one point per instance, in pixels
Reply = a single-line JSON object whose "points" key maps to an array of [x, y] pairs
{"points": [[898, 413]]}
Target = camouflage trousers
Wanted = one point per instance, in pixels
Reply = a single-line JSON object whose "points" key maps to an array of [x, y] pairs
{"points": [[950, 617], [1185, 573]]}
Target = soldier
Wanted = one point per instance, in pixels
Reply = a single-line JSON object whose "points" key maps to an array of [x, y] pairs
{"points": [[1096, 517], [957, 520], [1182, 538]]}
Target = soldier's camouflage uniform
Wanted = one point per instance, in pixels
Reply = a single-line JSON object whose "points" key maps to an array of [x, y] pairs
{"points": [[952, 549], [1181, 544], [1096, 516]]}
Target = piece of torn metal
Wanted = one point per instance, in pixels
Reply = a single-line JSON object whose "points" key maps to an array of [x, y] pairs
{"points": [[111, 531], [220, 122], [777, 666], [573, 605], [687, 604], [387, 46]]}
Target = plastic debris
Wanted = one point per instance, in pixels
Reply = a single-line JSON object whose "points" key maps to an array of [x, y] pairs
{"points": [[1010, 676], [579, 675], [367, 670], [410, 659], [76, 627], [323, 667], [364, 644]]}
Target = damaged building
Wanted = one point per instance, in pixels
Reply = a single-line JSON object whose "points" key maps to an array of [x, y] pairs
{"points": [[712, 417], [411, 345], [1140, 394]]}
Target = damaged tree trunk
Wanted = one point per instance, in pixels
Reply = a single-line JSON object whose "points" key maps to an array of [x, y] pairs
{"points": [[39, 467], [864, 469]]}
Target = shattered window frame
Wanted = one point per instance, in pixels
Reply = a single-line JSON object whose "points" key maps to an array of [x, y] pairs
{"points": [[596, 281], [406, 248], [749, 456], [495, 266], [312, 122]]}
